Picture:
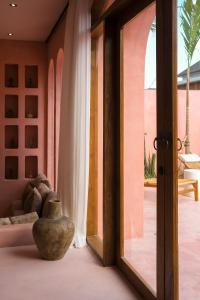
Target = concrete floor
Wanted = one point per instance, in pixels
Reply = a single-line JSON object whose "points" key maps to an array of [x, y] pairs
{"points": [[78, 276], [141, 253]]}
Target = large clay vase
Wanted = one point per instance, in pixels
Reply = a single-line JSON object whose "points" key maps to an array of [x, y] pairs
{"points": [[54, 233]]}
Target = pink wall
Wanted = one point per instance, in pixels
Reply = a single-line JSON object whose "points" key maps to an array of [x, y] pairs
{"points": [[50, 123], [135, 35], [59, 72], [55, 56], [56, 41], [22, 53], [194, 118], [16, 235], [150, 118], [28, 53]]}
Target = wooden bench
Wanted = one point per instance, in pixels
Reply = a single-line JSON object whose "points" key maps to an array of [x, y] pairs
{"points": [[152, 182]]}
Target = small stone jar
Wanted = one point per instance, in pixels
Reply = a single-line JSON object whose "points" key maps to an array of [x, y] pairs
{"points": [[54, 233]]}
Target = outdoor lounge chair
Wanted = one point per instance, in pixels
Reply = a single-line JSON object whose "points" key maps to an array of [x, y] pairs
{"points": [[190, 161], [183, 183]]}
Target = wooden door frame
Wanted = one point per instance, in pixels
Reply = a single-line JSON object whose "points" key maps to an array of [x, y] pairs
{"points": [[167, 217], [167, 242], [94, 241]]}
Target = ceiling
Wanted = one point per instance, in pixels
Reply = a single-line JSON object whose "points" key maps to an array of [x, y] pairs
{"points": [[32, 20]]}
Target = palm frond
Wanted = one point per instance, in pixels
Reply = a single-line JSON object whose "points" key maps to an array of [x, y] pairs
{"points": [[190, 20]]}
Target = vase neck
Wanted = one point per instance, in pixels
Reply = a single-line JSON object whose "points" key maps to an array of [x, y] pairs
{"points": [[54, 209]]}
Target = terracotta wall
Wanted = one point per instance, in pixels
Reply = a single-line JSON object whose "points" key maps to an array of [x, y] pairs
{"points": [[150, 118], [59, 73], [31, 53], [50, 122], [55, 61], [21, 53], [135, 35], [56, 41]]}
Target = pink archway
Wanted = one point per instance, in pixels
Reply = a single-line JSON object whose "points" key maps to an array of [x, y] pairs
{"points": [[59, 72], [50, 124], [135, 37]]}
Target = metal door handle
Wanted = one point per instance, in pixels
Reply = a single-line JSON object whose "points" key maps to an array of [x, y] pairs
{"points": [[160, 142], [155, 144], [181, 145]]}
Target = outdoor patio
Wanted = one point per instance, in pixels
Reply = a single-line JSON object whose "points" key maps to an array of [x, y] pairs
{"points": [[141, 253]]}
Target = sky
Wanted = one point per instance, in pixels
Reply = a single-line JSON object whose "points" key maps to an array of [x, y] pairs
{"points": [[150, 68]]}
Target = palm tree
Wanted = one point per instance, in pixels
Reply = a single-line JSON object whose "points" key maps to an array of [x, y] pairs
{"points": [[190, 18]]}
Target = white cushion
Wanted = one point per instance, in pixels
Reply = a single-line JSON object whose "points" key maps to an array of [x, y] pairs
{"points": [[190, 157]]}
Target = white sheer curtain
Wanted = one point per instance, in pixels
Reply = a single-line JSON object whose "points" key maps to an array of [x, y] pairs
{"points": [[73, 167]]}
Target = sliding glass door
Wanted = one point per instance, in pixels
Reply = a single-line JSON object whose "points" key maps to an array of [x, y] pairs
{"points": [[137, 204], [189, 155], [139, 157], [148, 239]]}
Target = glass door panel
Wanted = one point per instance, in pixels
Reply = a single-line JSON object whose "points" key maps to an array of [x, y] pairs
{"points": [[189, 155], [138, 114]]}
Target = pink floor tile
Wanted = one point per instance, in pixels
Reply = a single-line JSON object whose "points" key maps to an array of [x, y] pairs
{"points": [[141, 253], [78, 276]]}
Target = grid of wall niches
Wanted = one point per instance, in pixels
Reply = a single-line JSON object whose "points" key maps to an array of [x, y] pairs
{"points": [[12, 76], [12, 108]]}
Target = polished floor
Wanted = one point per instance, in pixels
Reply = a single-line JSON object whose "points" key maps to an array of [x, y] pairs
{"points": [[78, 276], [141, 253]]}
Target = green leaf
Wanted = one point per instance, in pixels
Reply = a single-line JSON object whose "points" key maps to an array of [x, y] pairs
{"points": [[190, 20]]}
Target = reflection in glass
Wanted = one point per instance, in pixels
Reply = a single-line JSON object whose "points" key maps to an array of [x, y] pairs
{"points": [[188, 165], [139, 131]]}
